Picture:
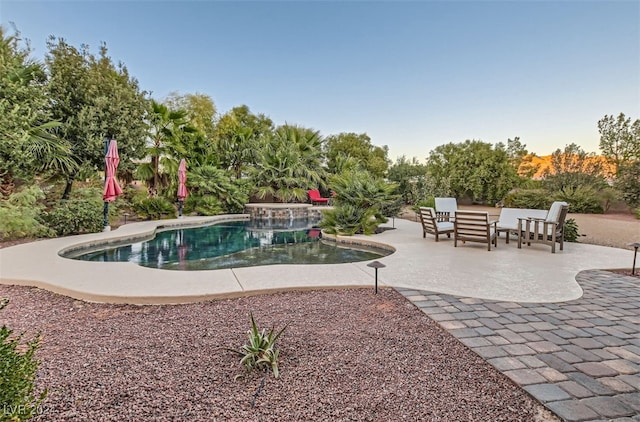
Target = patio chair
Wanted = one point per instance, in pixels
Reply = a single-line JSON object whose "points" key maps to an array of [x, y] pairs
{"points": [[446, 208], [474, 226], [431, 225], [547, 231], [315, 198]]}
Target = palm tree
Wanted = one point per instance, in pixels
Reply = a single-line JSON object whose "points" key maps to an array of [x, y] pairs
{"points": [[239, 135], [168, 134], [289, 164]]}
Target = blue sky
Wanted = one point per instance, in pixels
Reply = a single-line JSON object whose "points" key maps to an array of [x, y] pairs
{"points": [[412, 75]]}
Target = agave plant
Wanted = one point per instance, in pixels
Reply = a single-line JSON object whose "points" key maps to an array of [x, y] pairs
{"points": [[261, 351]]}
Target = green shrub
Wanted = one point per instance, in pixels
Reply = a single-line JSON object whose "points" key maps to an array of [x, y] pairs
{"points": [[154, 208], [18, 368], [528, 198], [430, 202], [607, 197], [261, 352], [583, 199], [76, 216], [571, 230], [213, 183], [391, 208], [203, 205], [359, 203], [628, 183], [20, 215], [637, 212], [345, 219]]}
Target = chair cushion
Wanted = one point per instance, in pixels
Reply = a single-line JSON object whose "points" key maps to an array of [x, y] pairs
{"points": [[509, 216], [554, 212], [449, 205], [444, 225]]}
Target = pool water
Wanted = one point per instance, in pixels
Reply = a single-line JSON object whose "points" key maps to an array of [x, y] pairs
{"points": [[231, 245]]}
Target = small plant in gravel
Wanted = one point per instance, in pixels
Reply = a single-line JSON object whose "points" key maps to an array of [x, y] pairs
{"points": [[260, 352], [18, 368]]}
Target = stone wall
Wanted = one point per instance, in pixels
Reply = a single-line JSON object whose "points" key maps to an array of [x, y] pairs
{"points": [[262, 212]]}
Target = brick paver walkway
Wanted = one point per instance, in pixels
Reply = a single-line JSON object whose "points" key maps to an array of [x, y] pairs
{"points": [[581, 358]]}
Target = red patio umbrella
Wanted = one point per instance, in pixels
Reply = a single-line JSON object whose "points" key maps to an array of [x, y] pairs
{"points": [[182, 185], [111, 188]]}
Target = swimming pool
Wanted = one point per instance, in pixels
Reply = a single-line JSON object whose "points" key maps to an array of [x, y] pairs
{"points": [[231, 245]]}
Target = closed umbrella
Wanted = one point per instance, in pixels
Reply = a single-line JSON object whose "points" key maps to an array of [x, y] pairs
{"points": [[182, 185], [111, 188]]}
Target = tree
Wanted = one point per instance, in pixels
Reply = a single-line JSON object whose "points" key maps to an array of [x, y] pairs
{"points": [[519, 157], [474, 169], [619, 140], [410, 176], [239, 136], [373, 158], [572, 168], [628, 183], [200, 108], [169, 131], [29, 144], [212, 191], [620, 144], [201, 113], [289, 164], [516, 150], [94, 99]]}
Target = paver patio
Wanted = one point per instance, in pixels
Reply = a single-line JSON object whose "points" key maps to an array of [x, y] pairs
{"points": [[580, 358]]}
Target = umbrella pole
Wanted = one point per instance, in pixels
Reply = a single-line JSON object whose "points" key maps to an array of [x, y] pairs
{"points": [[106, 216], [180, 204]]}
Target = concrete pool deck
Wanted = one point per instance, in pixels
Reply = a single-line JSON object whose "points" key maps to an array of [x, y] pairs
{"points": [[506, 273]]}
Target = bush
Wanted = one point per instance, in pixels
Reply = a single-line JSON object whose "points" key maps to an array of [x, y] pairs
{"points": [[154, 208], [359, 203], [17, 375], [345, 219], [391, 208], [608, 196], [571, 230], [76, 216], [20, 215], [203, 205], [583, 199], [430, 202], [528, 198]]}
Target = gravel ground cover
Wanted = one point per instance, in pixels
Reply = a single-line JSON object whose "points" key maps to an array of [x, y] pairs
{"points": [[347, 355]]}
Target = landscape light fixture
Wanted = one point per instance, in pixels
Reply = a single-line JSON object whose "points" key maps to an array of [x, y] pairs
{"points": [[376, 265], [635, 252]]}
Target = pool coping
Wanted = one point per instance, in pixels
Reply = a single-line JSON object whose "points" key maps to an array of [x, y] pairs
{"points": [[530, 274]]}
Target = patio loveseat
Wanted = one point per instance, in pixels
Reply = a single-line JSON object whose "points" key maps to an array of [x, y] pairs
{"points": [[508, 220]]}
